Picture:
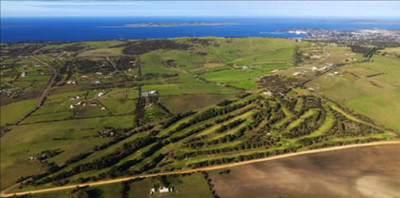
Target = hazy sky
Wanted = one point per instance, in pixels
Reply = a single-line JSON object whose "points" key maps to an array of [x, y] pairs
{"points": [[370, 9]]}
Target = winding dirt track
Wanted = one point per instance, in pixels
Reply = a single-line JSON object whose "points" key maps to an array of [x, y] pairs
{"points": [[4, 193]]}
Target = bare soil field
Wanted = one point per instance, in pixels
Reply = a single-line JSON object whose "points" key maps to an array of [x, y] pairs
{"points": [[184, 103], [367, 172]]}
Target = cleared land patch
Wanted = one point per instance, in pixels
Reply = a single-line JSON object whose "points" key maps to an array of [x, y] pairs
{"points": [[184, 103], [350, 172]]}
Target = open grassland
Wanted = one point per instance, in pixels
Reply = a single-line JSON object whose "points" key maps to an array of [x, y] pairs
{"points": [[391, 50], [240, 130], [12, 112], [329, 174], [189, 185], [71, 137], [192, 186], [258, 55], [371, 89]]}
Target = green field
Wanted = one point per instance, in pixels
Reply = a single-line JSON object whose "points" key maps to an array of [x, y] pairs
{"points": [[12, 112], [185, 103], [376, 97]]}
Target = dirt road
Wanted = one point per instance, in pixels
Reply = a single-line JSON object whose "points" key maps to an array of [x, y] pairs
{"points": [[42, 96], [4, 193]]}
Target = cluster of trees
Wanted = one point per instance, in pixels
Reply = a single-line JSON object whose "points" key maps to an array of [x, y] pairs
{"points": [[65, 71], [297, 55], [86, 192], [289, 103], [230, 125], [348, 128], [106, 161], [239, 158], [226, 118], [124, 192], [140, 105], [369, 54], [144, 46], [150, 76], [203, 42], [310, 102], [276, 83], [211, 113], [307, 141], [67, 48], [123, 137], [86, 66], [229, 137], [342, 127], [307, 126], [20, 49], [279, 115], [210, 184], [345, 142], [191, 132], [170, 63], [50, 153], [176, 118], [198, 142], [239, 147], [125, 62], [360, 49], [223, 172], [224, 103]]}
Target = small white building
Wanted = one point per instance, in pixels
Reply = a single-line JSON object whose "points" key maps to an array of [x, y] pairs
{"points": [[149, 105], [152, 191], [268, 93], [161, 190], [100, 94], [23, 74], [71, 82], [75, 97], [164, 190], [71, 106]]}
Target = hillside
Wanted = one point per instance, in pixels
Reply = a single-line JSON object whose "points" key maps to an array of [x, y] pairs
{"points": [[136, 107]]}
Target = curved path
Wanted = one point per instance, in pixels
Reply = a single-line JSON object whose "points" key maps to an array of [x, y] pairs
{"points": [[4, 192], [44, 93]]}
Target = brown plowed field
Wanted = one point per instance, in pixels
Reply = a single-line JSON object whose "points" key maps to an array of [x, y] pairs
{"points": [[365, 172]]}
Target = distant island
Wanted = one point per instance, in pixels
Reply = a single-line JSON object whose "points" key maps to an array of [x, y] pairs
{"points": [[171, 24]]}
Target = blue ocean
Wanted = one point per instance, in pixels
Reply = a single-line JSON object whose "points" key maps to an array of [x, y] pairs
{"points": [[97, 28]]}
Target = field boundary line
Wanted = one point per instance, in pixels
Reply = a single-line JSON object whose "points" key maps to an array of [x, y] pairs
{"points": [[391, 142], [42, 97]]}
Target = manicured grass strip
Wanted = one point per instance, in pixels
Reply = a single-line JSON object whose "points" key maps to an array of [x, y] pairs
{"points": [[302, 117]]}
